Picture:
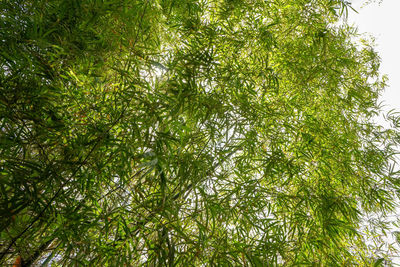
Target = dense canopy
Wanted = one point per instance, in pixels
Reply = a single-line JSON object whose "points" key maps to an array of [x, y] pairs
{"points": [[192, 133]]}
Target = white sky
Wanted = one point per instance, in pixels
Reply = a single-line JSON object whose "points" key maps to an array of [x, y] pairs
{"points": [[383, 22]]}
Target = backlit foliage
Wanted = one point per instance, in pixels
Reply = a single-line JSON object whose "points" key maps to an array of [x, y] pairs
{"points": [[191, 133]]}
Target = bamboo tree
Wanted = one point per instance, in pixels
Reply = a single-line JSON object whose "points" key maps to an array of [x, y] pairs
{"points": [[180, 133]]}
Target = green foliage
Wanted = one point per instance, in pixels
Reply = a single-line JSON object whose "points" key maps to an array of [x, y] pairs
{"points": [[190, 133]]}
